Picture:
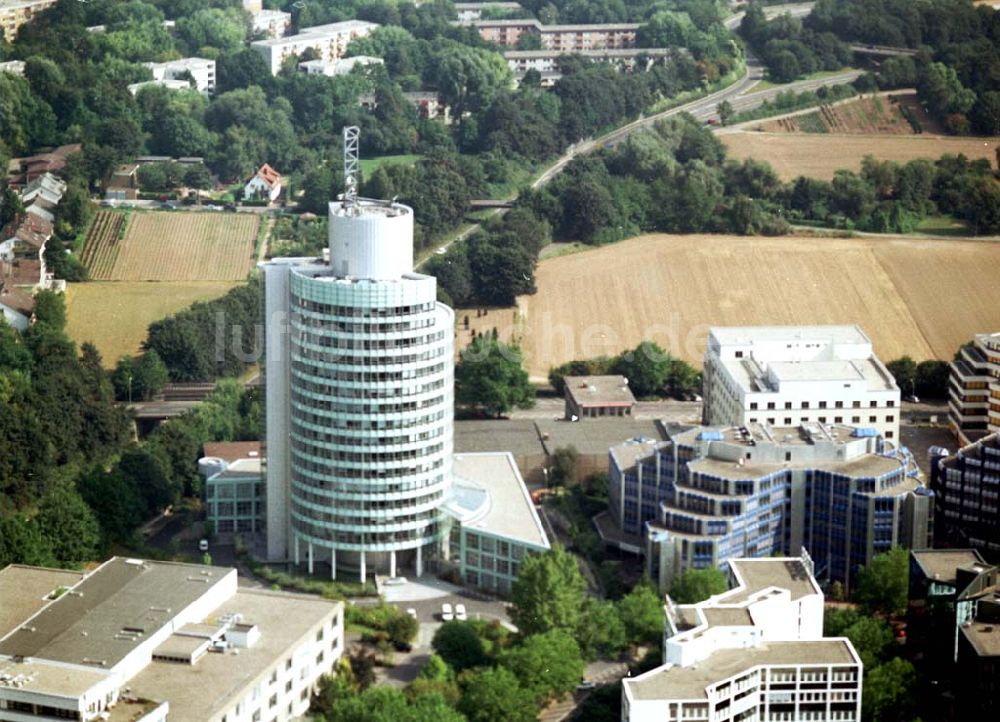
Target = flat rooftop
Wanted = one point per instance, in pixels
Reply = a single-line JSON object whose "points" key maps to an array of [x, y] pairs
{"points": [[627, 454], [230, 451], [25, 590], [594, 436], [942, 564], [518, 436], [38, 675], [760, 574], [98, 621], [743, 335], [752, 378], [489, 488], [317, 32], [869, 465], [984, 638], [599, 391], [197, 692], [689, 683]]}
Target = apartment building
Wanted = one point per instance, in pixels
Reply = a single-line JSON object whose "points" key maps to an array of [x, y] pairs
{"points": [[201, 72], [706, 494], [974, 389], [756, 652], [271, 23], [967, 485], [546, 62], [790, 375], [329, 41], [15, 13], [558, 38], [148, 641]]}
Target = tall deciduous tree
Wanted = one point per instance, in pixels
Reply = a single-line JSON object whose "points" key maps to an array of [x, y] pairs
{"points": [[882, 586], [642, 612], [458, 644], [489, 376], [491, 694], [69, 524], [548, 593], [646, 367], [547, 664], [696, 585]]}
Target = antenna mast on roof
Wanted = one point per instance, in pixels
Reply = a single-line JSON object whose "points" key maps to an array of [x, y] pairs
{"points": [[351, 137]]}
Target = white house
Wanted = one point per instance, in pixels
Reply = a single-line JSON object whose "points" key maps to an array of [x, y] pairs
{"points": [[201, 70], [266, 184]]}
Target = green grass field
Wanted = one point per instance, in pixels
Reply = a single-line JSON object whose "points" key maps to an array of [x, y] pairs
{"points": [[370, 165], [114, 315]]}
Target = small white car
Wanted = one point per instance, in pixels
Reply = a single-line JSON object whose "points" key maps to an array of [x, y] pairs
{"points": [[460, 612], [412, 612], [395, 581], [446, 613], [203, 545]]}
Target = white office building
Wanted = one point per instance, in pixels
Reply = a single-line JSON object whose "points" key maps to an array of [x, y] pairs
{"points": [[756, 652], [337, 67], [791, 375], [144, 641], [359, 375], [200, 70], [328, 41]]}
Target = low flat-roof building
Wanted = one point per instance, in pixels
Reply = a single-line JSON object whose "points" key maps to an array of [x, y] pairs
{"points": [[708, 493], [788, 375], [142, 640], [754, 652], [341, 66], [495, 523], [329, 41], [591, 396], [201, 72], [973, 389], [234, 487], [561, 38], [967, 511], [474, 11]]}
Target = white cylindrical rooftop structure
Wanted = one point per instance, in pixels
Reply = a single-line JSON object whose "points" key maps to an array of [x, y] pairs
{"points": [[371, 239]]}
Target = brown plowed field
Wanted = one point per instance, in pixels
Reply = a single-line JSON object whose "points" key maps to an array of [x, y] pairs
{"points": [[921, 298], [174, 246], [819, 156], [871, 115]]}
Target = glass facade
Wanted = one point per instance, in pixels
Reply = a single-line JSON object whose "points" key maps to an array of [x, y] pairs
{"points": [[371, 377]]}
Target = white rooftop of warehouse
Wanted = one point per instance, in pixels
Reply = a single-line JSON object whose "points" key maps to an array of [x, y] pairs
{"points": [[489, 495], [743, 335]]}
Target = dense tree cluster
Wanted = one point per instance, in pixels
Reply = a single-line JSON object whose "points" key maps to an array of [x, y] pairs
{"points": [[928, 378], [674, 178], [955, 71], [489, 378], [649, 369], [212, 338], [790, 50]]}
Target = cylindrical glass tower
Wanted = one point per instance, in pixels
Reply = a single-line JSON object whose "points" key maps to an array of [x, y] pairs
{"points": [[370, 396]]}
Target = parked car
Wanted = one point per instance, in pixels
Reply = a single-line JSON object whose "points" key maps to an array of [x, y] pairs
{"points": [[203, 545], [168, 207], [460, 612], [447, 614], [412, 612], [585, 685], [230, 207]]}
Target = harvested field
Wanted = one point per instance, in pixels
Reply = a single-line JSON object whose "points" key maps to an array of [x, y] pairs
{"points": [[880, 115], [921, 298], [171, 246], [114, 315], [819, 156]]}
